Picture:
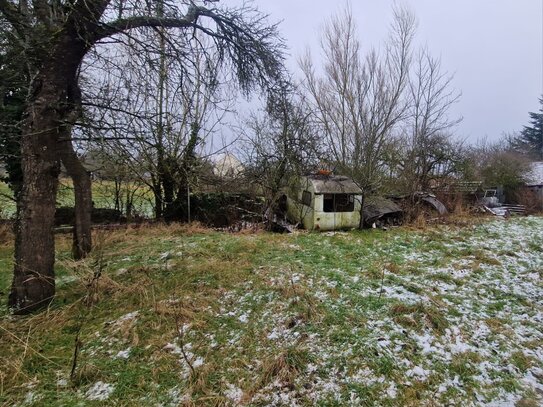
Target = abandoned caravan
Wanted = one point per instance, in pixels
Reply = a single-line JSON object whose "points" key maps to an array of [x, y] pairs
{"points": [[325, 202]]}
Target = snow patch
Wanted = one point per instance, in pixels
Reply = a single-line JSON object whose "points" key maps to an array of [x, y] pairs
{"points": [[123, 354], [418, 373], [233, 393], [99, 391]]}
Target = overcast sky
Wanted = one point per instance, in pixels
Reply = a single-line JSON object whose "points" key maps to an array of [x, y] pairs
{"points": [[493, 47]]}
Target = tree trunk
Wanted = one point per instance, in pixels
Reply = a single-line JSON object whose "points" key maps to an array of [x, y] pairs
{"points": [[171, 206], [118, 185], [33, 285], [82, 240], [159, 202]]}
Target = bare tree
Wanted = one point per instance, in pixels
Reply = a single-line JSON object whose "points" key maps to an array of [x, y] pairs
{"points": [[280, 145], [358, 100], [57, 37], [115, 175], [429, 151], [161, 117]]}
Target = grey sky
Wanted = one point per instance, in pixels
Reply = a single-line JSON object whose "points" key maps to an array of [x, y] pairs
{"points": [[494, 48]]}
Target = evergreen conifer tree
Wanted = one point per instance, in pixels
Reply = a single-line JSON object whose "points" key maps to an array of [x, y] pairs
{"points": [[530, 140]]}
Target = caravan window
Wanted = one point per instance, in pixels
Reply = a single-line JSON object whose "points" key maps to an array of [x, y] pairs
{"points": [[306, 198], [338, 203]]}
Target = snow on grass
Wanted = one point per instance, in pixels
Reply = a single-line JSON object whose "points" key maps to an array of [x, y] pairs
{"points": [[124, 318], [464, 359], [233, 393], [99, 391], [123, 354], [448, 315], [454, 313], [187, 358]]}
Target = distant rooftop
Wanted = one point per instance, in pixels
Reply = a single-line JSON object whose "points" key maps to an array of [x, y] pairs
{"points": [[226, 165], [535, 175]]}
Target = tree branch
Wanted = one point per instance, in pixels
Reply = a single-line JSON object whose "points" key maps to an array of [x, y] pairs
{"points": [[42, 11], [13, 16], [125, 24]]}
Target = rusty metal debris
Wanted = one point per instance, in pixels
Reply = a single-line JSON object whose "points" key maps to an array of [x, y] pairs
{"points": [[381, 212]]}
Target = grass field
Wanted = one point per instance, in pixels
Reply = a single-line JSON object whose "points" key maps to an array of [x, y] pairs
{"points": [[102, 195], [7, 205], [186, 316]]}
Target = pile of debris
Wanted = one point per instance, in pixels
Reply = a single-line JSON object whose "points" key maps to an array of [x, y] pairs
{"points": [[490, 203], [380, 212]]}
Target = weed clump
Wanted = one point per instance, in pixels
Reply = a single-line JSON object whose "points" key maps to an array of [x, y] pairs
{"points": [[521, 361], [419, 316], [284, 367]]}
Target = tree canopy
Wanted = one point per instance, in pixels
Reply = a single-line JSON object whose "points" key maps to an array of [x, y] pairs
{"points": [[530, 140], [54, 38]]}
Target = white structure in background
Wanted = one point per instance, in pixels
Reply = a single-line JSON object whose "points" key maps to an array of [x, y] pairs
{"points": [[226, 165], [534, 180], [535, 175]]}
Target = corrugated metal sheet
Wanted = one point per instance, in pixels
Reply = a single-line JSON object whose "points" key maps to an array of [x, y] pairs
{"points": [[467, 187], [376, 207], [436, 204], [333, 184]]}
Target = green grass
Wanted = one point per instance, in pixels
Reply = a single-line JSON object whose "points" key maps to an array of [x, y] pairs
{"points": [[103, 195], [7, 205], [358, 318]]}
